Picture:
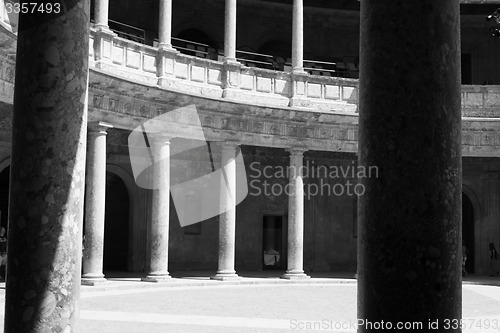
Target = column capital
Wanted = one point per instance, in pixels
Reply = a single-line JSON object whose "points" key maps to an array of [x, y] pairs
{"points": [[296, 151], [99, 127], [159, 137]]}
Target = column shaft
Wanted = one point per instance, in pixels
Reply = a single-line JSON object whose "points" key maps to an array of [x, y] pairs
{"points": [[160, 212], [48, 171], [298, 36], [95, 194], [295, 218], [409, 235], [101, 11], [230, 31], [227, 219], [165, 24]]}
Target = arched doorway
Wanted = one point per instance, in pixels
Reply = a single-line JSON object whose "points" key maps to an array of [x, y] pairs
{"points": [[468, 231], [4, 196], [116, 225]]}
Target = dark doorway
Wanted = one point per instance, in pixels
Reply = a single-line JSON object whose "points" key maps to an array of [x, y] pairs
{"points": [[116, 225], [468, 231], [4, 196], [273, 242]]}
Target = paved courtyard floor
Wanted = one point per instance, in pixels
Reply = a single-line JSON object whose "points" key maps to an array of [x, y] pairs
{"points": [[194, 303]]}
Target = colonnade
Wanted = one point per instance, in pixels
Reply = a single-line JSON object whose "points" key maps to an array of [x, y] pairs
{"points": [[230, 17], [160, 211]]}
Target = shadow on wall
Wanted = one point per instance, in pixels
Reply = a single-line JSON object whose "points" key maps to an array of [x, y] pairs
{"points": [[116, 225]]}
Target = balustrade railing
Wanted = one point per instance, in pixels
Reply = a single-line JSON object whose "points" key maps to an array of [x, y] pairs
{"points": [[129, 32], [196, 74], [202, 73]]}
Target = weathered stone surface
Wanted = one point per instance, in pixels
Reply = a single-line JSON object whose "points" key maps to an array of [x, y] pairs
{"points": [[47, 171], [409, 260]]}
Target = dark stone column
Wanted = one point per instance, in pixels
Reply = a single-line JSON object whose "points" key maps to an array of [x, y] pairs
{"points": [[409, 256], [160, 211], [48, 171], [95, 204]]}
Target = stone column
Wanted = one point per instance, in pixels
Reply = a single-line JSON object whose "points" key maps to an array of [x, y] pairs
{"points": [[95, 193], [48, 171], [295, 260], [227, 219], [230, 31], [103, 37], [298, 36], [409, 239], [165, 26], [160, 211], [101, 11]]}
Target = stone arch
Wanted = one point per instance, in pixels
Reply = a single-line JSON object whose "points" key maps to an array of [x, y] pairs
{"points": [[477, 251], [471, 191]]}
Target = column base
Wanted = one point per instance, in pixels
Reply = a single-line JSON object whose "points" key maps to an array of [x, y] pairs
{"points": [[232, 62], [101, 28], [168, 48], [158, 278], [295, 276], [90, 281], [226, 277], [300, 71]]}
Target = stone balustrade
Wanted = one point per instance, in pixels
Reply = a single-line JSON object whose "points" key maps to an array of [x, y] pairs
{"points": [[202, 77], [481, 101], [192, 75], [132, 82], [178, 72]]}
